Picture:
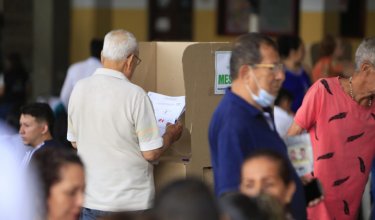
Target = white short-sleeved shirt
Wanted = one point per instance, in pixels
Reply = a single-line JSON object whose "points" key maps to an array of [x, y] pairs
{"points": [[76, 72], [283, 121], [112, 121]]}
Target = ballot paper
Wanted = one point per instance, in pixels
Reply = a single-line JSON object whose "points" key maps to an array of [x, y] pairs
{"points": [[167, 109], [300, 153]]}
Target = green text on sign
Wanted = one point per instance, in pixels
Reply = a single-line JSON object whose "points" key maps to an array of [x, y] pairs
{"points": [[224, 79]]}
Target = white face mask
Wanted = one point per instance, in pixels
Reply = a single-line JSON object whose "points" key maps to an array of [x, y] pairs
{"points": [[264, 98]]}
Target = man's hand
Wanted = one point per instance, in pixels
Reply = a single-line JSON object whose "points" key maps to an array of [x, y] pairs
{"points": [[174, 131], [172, 134]]}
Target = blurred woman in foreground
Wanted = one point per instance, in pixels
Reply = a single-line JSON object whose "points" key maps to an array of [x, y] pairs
{"points": [[62, 178], [268, 172]]}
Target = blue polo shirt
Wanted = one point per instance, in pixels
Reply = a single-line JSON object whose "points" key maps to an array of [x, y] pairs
{"points": [[236, 130]]}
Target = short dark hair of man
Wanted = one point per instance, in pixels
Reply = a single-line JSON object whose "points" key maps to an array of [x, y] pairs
{"points": [[287, 43], [96, 47], [41, 112], [246, 51]]}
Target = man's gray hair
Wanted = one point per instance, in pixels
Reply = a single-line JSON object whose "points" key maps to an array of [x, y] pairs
{"points": [[119, 44], [365, 52]]}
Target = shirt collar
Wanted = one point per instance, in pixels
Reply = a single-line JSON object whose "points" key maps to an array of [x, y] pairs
{"points": [[39, 146], [242, 102], [111, 73]]}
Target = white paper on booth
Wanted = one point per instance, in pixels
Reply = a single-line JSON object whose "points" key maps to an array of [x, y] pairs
{"points": [[167, 109]]}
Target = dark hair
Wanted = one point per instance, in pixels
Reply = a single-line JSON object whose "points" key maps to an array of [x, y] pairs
{"points": [[246, 51], [186, 199], [327, 46], [282, 162], [96, 47], [42, 113], [287, 43], [241, 207], [283, 94], [48, 162]]}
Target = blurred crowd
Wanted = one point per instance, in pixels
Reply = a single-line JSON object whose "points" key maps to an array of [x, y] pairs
{"points": [[91, 156]]}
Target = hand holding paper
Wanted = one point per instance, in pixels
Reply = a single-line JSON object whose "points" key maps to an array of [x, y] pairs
{"points": [[174, 130], [167, 109]]}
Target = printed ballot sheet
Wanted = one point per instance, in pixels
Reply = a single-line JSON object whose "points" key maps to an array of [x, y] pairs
{"points": [[300, 153], [167, 109]]}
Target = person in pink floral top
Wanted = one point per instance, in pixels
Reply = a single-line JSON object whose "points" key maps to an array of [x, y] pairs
{"points": [[339, 114]]}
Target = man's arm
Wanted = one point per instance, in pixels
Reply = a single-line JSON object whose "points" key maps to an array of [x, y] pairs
{"points": [[67, 88], [171, 135], [294, 129]]}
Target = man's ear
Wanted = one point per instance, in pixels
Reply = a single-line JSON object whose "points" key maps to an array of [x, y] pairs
{"points": [[366, 67], [243, 72], [127, 66], [45, 128]]}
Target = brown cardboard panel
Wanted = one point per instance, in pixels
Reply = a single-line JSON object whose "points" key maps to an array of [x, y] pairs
{"points": [[170, 77], [183, 68], [170, 81], [145, 73], [180, 151], [161, 71], [199, 76], [208, 177], [167, 171]]}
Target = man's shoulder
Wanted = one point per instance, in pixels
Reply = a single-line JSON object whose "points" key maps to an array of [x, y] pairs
{"points": [[233, 117], [84, 64], [52, 143], [77, 65], [81, 83], [235, 110]]}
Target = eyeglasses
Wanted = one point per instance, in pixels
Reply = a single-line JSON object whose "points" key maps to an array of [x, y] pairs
{"points": [[138, 61], [274, 68]]}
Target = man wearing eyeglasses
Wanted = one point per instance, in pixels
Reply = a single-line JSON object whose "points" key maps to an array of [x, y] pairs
{"points": [[112, 124], [243, 121]]}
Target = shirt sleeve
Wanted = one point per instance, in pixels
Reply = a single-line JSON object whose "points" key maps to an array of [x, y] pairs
{"points": [[230, 156], [67, 88], [71, 136], [307, 114], [145, 124]]}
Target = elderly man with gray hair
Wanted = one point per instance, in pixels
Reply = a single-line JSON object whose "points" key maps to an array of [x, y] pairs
{"points": [[339, 114], [112, 124]]}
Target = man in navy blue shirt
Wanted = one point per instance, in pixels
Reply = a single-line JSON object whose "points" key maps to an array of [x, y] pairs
{"points": [[243, 120], [36, 122]]}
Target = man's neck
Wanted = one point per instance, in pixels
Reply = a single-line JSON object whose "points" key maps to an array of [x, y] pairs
{"points": [[47, 137], [114, 65], [239, 89]]}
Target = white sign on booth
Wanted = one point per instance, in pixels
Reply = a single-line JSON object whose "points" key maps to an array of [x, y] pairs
{"points": [[222, 71]]}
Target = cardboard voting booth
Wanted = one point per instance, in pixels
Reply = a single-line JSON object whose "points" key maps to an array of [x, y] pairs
{"points": [[199, 77], [183, 69]]}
